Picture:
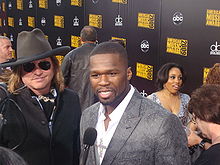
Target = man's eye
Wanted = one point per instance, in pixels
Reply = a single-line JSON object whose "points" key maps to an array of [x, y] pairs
{"points": [[112, 74], [94, 75]]}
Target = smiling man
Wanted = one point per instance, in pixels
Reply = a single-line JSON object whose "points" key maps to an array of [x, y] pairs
{"points": [[42, 118], [130, 128]]}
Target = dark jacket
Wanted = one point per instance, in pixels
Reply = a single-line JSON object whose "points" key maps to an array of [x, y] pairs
{"points": [[27, 129], [76, 74]]}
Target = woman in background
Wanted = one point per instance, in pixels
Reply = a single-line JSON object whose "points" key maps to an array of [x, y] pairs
{"points": [[170, 79]]}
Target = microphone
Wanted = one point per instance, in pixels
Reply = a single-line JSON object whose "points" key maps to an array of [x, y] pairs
{"points": [[88, 140]]}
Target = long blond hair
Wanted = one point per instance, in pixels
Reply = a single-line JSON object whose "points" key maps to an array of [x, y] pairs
{"points": [[15, 81], [5, 75]]}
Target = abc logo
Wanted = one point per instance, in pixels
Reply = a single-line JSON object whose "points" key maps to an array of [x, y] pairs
{"points": [[143, 93], [9, 5], [145, 46], [58, 2], [215, 47], [177, 18]]}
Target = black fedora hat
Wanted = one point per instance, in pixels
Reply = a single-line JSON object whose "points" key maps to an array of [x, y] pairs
{"points": [[33, 45]]}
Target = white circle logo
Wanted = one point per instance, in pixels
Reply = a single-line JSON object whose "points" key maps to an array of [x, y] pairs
{"points": [[145, 46], [177, 18], [9, 5], [58, 2], [215, 49], [43, 21]]}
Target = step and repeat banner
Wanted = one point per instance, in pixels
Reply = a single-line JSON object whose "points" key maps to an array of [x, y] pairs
{"points": [[3, 18], [60, 20], [190, 36], [155, 32]]}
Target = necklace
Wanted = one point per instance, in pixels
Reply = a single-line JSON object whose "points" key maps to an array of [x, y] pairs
{"points": [[101, 148], [46, 98]]}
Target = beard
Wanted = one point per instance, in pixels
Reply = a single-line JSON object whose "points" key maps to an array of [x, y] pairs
{"points": [[115, 101]]}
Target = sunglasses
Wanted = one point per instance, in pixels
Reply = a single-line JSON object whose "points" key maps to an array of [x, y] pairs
{"points": [[29, 67]]}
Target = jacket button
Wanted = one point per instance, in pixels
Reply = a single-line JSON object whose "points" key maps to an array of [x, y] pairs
{"points": [[43, 122]]}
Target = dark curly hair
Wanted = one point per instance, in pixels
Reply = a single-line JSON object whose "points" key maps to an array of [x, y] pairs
{"points": [[205, 103]]}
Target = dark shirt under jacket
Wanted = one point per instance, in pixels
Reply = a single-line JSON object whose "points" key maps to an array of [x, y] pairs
{"points": [[27, 129], [210, 156], [76, 74]]}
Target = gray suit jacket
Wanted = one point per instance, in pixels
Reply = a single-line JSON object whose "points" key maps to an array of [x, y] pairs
{"points": [[147, 134]]}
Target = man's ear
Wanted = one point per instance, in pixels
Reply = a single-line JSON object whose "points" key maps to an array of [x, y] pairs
{"points": [[129, 73]]}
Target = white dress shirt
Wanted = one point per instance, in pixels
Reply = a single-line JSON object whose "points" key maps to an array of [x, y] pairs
{"points": [[104, 136]]}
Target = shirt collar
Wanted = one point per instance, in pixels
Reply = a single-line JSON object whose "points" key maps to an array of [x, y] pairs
{"points": [[119, 110]]}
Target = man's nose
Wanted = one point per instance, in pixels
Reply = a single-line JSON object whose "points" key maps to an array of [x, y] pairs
{"points": [[10, 49], [37, 70], [104, 80]]}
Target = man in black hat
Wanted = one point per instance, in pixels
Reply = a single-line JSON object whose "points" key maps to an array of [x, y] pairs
{"points": [[41, 118]]}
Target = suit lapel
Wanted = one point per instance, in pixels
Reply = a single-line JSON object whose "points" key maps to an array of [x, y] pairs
{"points": [[92, 123], [93, 117], [126, 126]]}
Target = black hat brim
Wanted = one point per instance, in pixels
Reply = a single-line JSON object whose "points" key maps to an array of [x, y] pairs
{"points": [[54, 52]]}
